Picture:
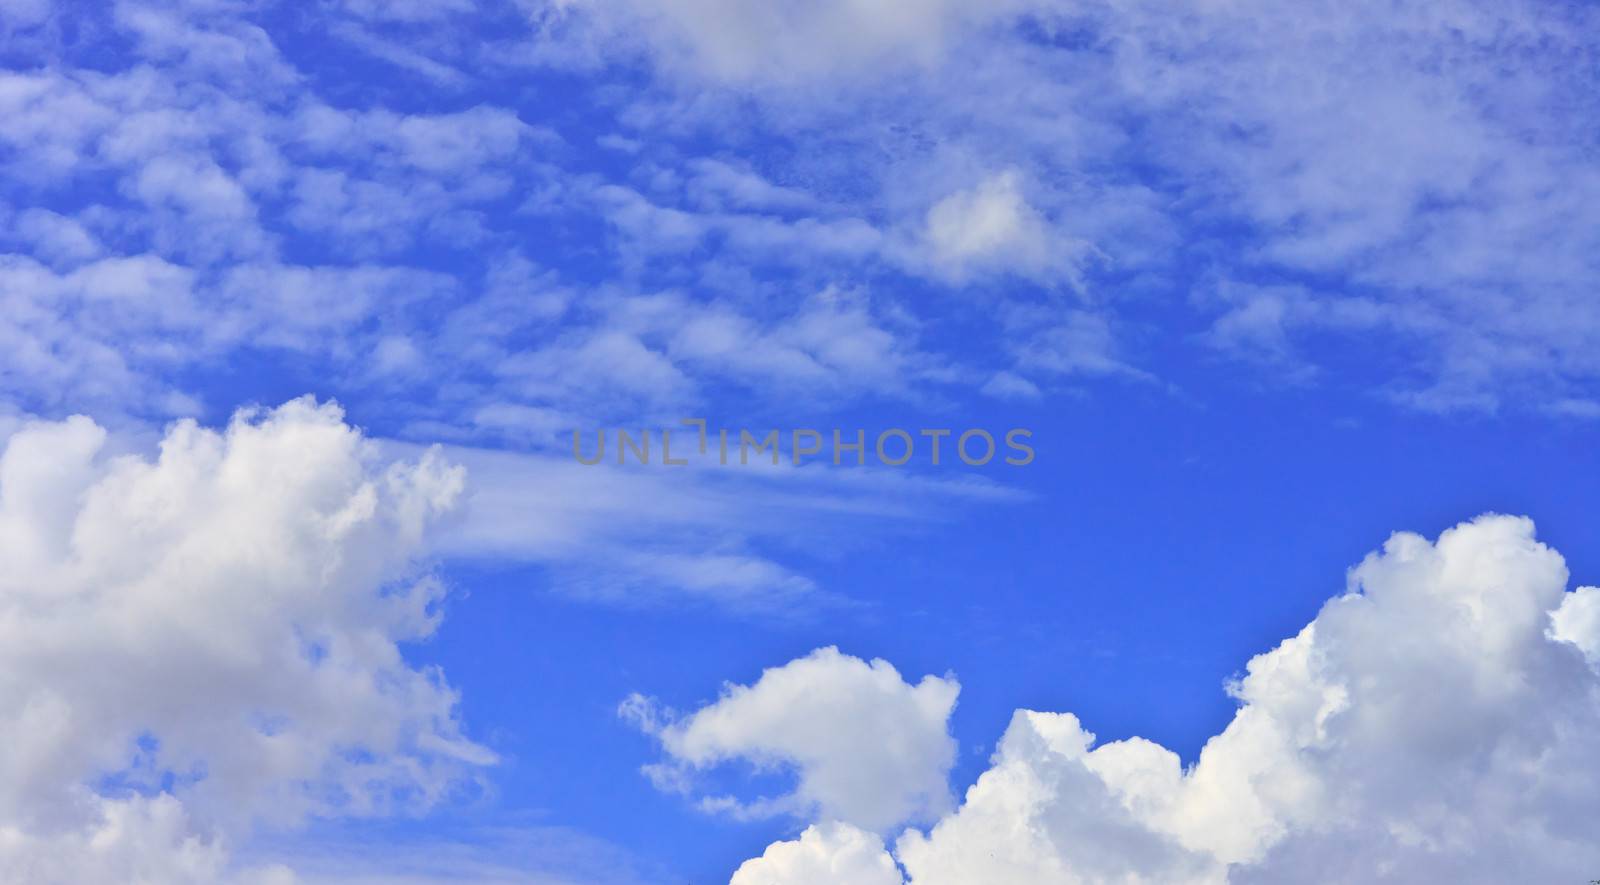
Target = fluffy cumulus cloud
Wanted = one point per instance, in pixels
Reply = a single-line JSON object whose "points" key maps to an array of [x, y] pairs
{"points": [[1578, 621], [991, 228], [1434, 724], [836, 853], [206, 641], [865, 746]]}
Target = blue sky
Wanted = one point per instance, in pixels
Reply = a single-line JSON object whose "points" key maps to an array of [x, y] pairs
{"points": [[333, 285]]}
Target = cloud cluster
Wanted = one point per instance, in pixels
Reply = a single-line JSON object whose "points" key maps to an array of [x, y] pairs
{"points": [[210, 640], [185, 190], [210, 214], [1397, 167], [175, 200], [836, 853], [865, 745], [190, 224], [1279, 177], [1434, 724]]}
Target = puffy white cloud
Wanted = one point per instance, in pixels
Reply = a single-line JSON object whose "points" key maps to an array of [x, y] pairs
{"points": [[1050, 810], [992, 227], [866, 747], [1433, 724], [835, 853], [220, 627], [144, 840], [1578, 621]]}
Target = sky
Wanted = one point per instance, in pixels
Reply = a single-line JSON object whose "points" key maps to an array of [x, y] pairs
{"points": [[303, 307]]}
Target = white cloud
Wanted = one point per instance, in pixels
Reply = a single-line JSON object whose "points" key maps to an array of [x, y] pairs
{"points": [[1391, 182], [105, 332], [56, 238], [163, 167], [217, 46], [407, 10], [399, 54], [1576, 408], [1046, 813], [493, 854], [1070, 343], [866, 747], [447, 145], [1400, 164], [769, 42], [1262, 324], [733, 581], [835, 853], [618, 354], [1009, 385], [1578, 621], [23, 13], [92, 332], [833, 341], [992, 227], [717, 184], [695, 534], [150, 841], [1434, 724], [209, 640], [749, 217], [50, 122]]}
